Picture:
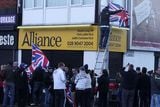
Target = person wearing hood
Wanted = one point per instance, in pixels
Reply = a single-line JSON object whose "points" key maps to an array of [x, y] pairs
{"points": [[59, 83], [81, 82]]}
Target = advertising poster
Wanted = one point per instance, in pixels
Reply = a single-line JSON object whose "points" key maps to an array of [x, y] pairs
{"points": [[145, 29]]}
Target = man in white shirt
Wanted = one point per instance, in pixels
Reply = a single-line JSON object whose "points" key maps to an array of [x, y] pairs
{"points": [[59, 85]]}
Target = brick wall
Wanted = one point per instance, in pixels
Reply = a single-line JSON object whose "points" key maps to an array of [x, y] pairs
{"points": [[8, 4]]}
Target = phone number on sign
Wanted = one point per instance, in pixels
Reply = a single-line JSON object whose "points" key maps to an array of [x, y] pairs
{"points": [[80, 43]]}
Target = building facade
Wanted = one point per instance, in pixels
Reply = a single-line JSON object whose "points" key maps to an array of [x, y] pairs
{"points": [[8, 31], [73, 28]]}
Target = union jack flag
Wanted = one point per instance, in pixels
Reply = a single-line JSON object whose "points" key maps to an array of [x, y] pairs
{"points": [[38, 59], [69, 95], [121, 17]]}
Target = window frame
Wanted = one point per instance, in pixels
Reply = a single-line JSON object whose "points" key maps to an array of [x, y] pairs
{"points": [[33, 5], [80, 4], [38, 6], [56, 6], [88, 4]]}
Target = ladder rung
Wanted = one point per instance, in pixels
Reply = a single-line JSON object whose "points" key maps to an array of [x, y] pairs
{"points": [[98, 68], [99, 62]]}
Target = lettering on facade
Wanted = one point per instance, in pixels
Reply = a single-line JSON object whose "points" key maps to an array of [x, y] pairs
{"points": [[33, 37], [7, 19], [6, 40]]}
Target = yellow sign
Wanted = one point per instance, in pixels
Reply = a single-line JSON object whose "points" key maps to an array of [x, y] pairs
{"points": [[69, 38], [118, 40]]}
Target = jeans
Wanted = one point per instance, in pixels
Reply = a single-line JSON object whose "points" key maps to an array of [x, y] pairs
{"points": [[155, 100], [127, 97], [47, 98], [9, 93]]}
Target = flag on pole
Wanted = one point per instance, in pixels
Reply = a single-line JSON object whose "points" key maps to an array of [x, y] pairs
{"points": [[121, 17], [38, 59]]}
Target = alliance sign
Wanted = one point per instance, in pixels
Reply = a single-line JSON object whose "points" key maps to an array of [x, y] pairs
{"points": [[74, 38]]}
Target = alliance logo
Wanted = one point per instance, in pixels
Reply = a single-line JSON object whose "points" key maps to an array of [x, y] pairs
{"points": [[33, 37]]}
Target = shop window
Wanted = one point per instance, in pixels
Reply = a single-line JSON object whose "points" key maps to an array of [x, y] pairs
{"points": [[75, 2], [38, 3], [86, 2], [33, 3], [52, 3], [28, 3]]}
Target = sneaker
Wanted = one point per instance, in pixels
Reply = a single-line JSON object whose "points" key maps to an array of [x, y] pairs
{"points": [[32, 104]]}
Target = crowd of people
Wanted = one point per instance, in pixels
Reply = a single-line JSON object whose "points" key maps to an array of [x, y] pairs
{"points": [[76, 87], [139, 87], [46, 87]]}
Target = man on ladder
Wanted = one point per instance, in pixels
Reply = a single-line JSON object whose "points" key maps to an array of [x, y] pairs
{"points": [[105, 25], [102, 56]]}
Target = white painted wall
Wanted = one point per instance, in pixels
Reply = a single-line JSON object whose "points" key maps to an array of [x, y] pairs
{"points": [[56, 16], [32, 17], [59, 15], [90, 58], [139, 59], [83, 14]]}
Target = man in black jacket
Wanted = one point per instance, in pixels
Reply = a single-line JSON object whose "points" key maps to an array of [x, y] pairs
{"points": [[144, 85], [21, 86], [103, 84], [105, 25], [129, 81]]}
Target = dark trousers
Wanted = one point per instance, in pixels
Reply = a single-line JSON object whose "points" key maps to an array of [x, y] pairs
{"points": [[1, 95], [127, 97], [136, 99], [102, 99], [80, 98], [37, 92], [104, 36], [60, 98], [88, 97], [144, 99], [22, 97]]}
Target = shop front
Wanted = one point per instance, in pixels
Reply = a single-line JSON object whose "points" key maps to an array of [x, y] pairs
{"points": [[59, 43], [8, 37], [8, 46]]}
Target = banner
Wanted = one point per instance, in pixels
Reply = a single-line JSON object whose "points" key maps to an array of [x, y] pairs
{"points": [[69, 38], [118, 40], [145, 25]]}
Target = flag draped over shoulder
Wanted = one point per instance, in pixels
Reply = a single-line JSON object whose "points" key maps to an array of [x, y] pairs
{"points": [[38, 59], [121, 17], [69, 96]]}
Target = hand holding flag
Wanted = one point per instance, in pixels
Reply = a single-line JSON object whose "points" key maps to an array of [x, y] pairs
{"points": [[38, 59]]}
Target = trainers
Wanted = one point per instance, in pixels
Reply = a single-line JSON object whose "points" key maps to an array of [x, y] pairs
{"points": [[33, 104]]}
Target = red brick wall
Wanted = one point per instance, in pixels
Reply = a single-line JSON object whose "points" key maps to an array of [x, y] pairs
{"points": [[8, 4]]}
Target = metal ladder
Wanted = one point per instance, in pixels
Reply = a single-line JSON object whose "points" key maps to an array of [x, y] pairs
{"points": [[102, 59]]}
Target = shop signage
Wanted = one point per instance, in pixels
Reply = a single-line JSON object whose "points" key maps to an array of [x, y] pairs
{"points": [[118, 40], [7, 19], [8, 40], [74, 38]]}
